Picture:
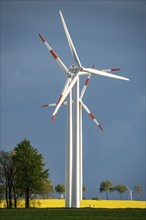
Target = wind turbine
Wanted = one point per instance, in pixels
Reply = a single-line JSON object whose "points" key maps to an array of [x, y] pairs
{"points": [[130, 193], [74, 72]]}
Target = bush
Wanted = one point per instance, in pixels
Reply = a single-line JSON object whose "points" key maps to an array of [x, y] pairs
{"points": [[95, 198]]}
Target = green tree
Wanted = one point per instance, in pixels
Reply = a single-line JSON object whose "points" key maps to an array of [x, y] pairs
{"points": [[2, 191], [7, 173], [106, 186], [29, 167], [138, 189], [47, 189], [60, 189], [120, 188], [83, 188]]}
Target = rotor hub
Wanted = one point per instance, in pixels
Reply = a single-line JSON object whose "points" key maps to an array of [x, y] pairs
{"points": [[73, 69]]}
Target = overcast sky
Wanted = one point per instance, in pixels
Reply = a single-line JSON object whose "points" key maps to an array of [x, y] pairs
{"points": [[105, 33]]}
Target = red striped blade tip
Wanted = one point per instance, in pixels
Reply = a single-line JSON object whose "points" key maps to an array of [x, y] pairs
{"points": [[53, 118], [91, 115], [42, 38], [53, 54], [115, 69], [100, 127], [59, 99], [46, 105], [86, 82]]}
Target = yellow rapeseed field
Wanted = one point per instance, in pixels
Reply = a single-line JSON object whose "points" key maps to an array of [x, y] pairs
{"points": [[60, 203]]}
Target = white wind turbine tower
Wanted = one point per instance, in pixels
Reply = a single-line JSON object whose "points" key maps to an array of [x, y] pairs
{"points": [[74, 72]]}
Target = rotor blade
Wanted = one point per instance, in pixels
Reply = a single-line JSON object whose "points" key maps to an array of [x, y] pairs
{"points": [[65, 95], [49, 105], [85, 85], [64, 89], [71, 45], [91, 115], [58, 60], [110, 70], [54, 104], [101, 73], [62, 93]]}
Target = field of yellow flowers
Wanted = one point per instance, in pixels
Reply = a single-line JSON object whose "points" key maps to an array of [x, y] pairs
{"points": [[60, 203]]}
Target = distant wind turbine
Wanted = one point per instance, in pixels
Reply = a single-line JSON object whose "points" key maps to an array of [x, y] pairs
{"points": [[130, 193]]}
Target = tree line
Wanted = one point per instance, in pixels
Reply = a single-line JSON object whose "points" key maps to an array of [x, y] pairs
{"points": [[108, 187], [23, 175]]}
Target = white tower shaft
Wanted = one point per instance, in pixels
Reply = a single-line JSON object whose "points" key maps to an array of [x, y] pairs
{"points": [[80, 150], [76, 151], [68, 164]]}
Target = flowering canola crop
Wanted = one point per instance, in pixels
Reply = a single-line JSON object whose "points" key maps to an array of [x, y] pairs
{"points": [[60, 203]]}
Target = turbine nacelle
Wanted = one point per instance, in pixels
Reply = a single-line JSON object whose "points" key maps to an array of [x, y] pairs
{"points": [[73, 69]]}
